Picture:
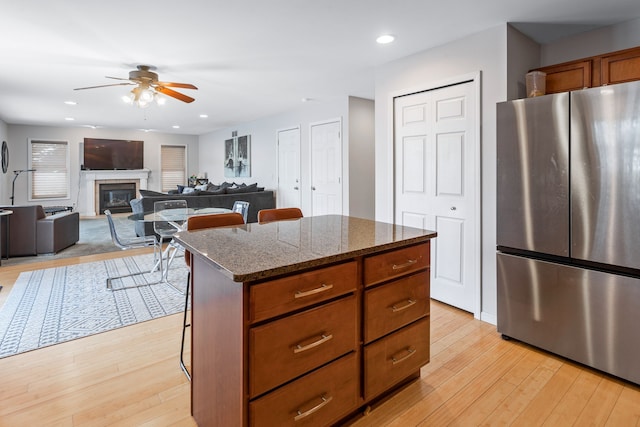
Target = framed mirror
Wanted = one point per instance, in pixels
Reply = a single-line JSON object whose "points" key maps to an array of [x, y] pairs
{"points": [[5, 157]]}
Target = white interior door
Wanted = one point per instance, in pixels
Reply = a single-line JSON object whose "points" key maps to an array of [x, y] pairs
{"points": [[436, 170], [326, 168], [288, 194]]}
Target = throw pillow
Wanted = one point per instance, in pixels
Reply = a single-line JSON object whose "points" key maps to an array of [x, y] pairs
{"points": [[180, 188], [189, 190]]}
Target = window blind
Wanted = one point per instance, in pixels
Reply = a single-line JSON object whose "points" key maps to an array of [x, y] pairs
{"points": [[173, 166], [50, 159]]}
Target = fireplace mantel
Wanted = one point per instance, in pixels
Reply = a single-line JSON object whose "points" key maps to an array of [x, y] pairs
{"points": [[88, 184]]}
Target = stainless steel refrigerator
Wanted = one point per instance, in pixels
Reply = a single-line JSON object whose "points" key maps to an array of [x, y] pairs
{"points": [[568, 225]]}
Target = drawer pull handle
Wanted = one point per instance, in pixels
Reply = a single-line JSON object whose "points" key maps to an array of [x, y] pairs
{"points": [[301, 415], [409, 263], [409, 303], [300, 348], [410, 352], [322, 288]]}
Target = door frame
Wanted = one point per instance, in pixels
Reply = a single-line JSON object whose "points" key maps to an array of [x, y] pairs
{"points": [[343, 176], [299, 128], [476, 79]]}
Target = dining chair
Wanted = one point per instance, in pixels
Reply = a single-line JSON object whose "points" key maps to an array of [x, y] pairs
{"points": [[241, 207], [169, 216], [278, 214], [196, 223], [134, 243]]}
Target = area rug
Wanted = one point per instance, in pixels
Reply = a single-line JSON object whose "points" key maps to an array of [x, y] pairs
{"points": [[55, 305]]}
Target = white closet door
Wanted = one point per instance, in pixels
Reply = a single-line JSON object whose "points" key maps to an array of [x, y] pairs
{"points": [[288, 194], [435, 175], [326, 168]]}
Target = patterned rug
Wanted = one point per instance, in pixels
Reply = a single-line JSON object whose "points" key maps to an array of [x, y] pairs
{"points": [[54, 305]]}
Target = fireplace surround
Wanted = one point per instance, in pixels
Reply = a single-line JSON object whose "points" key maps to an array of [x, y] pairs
{"points": [[89, 200]]}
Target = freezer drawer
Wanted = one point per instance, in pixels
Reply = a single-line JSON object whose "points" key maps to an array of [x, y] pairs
{"points": [[533, 174], [587, 316]]}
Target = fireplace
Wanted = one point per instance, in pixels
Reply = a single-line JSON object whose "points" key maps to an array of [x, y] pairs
{"points": [[116, 197]]}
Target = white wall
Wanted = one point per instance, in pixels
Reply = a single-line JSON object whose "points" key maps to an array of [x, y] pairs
{"points": [[596, 42], [264, 148], [19, 135], [523, 54], [361, 125], [485, 52]]}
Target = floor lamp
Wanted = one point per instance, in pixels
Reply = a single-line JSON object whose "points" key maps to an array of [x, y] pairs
{"points": [[13, 184]]}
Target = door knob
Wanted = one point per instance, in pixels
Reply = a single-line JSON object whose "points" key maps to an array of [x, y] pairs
{"points": [[313, 188], [295, 188], [453, 208]]}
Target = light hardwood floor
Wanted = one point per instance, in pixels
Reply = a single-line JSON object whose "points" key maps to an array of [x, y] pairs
{"points": [[131, 377]]}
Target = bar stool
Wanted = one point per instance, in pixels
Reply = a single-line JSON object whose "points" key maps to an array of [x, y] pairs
{"points": [[196, 223], [278, 214]]}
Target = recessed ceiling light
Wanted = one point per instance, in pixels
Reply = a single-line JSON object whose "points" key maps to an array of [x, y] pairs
{"points": [[204, 116], [69, 119], [175, 127], [71, 102], [385, 39]]}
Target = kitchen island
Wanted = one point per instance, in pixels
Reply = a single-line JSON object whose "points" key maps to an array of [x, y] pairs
{"points": [[307, 321]]}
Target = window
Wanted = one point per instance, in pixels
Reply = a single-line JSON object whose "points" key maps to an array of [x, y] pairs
{"points": [[173, 166], [50, 160]]}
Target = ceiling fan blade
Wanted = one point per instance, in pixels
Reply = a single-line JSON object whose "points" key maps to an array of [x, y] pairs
{"points": [[114, 84], [116, 78], [174, 94], [180, 85]]}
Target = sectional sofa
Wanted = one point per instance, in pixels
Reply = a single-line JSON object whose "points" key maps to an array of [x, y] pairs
{"points": [[264, 199]]}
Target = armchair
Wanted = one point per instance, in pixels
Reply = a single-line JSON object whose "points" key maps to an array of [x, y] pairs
{"points": [[31, 232]]}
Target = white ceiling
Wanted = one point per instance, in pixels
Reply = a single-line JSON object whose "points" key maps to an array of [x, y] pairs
{"points": [[249, 58]]}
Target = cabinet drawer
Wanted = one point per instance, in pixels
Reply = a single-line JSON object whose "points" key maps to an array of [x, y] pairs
{"points": [[395, 304], [395, 357], [281, 296], [318, 399], [379, 268], [289, 347]]}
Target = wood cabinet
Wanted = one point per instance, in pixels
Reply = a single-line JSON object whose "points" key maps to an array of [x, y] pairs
{"points": [[620, 67], [311, 347], [565, 77], [615, 67]]}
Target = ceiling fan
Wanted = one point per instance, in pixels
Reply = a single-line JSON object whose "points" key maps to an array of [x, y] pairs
{"points": [[147, 85]]}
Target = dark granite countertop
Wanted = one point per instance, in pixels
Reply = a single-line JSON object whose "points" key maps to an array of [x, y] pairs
{"points": [[257, 251]]}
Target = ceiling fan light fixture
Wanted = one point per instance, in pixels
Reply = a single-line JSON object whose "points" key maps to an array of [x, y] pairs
{"points": [[147, 87], [147, 95]]}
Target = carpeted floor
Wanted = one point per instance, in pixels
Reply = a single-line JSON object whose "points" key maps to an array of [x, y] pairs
{"points": [[54, 305], [95, 238]]}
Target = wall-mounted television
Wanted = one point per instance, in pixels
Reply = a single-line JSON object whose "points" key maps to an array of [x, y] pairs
{"points": [[112, 154]]}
